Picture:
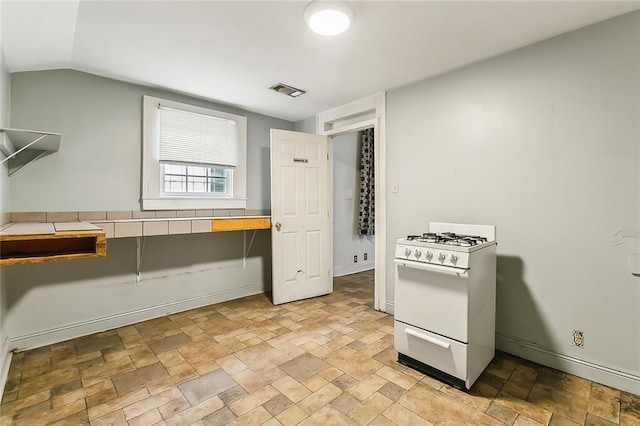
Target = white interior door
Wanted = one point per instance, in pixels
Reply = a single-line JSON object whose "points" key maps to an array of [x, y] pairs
{"points": [[301, 234]]}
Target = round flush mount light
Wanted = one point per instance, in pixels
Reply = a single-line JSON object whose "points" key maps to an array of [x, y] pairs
{"points": [[328, 18]]}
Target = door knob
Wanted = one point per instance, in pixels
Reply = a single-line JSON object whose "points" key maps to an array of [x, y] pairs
{"points": [[278, 226]]}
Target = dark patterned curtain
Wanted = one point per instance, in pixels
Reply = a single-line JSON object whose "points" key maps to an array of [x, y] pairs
{"points": [[366, 215]]}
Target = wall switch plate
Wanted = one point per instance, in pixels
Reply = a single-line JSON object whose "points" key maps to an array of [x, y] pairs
{"points": [[395, 188]]}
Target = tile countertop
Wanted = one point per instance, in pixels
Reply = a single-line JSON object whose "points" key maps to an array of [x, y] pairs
{"points": [[40, 228], [41, 241], [123, 228], [123, 224], [91, 216]]}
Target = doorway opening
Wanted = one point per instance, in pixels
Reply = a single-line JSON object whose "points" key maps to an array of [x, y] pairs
{"points": [[353, 218]]}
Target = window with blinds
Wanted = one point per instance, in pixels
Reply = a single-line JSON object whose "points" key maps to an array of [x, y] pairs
{"points": [[196, 152], [188, 137], [193, 157]]}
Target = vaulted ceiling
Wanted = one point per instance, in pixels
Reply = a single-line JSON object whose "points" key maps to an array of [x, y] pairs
{"points": [[233, 51]]}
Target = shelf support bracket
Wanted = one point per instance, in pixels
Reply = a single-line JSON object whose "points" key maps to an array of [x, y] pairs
{"points": [[12, 171], [245, 248], [139, 254], [24, 147]]}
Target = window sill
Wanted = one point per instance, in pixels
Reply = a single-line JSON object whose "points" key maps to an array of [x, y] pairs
{"points": [[187, 203]]}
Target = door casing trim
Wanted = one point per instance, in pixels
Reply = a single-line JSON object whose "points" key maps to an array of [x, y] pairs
{"points": [[359, 115]]}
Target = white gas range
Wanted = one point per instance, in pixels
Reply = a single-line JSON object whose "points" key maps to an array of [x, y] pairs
{"points": [[445, 301]]}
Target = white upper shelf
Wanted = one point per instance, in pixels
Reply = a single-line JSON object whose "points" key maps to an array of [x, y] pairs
{"points": [[22, 146]]}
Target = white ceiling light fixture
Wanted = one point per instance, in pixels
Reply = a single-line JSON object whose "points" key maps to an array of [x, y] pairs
{"points": [[328, 18]]}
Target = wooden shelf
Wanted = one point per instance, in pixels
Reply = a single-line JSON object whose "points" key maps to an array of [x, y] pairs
{"points": [[60, 245], [239, 224]]}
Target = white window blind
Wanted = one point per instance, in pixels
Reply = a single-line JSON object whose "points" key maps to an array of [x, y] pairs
{"points": [[188, 137]]}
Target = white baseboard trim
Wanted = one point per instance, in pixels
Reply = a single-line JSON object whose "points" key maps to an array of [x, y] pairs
{"points": [[5, 362], [628, 382], [71, 331], [390, 307], [341, 271]]}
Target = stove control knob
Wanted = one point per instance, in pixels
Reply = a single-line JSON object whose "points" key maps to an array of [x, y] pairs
{"points": [[454, 259], [441, 257], [417, 254], [407, 252], [429, 256]]}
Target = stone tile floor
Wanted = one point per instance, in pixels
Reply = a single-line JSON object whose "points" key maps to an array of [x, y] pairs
{"points": [[323, 361]]}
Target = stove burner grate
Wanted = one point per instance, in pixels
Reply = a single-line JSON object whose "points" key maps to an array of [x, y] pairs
{"points": [[448, 238]]}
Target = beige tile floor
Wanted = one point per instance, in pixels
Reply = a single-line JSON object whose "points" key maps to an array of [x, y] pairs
{"points": [[323, 361]]}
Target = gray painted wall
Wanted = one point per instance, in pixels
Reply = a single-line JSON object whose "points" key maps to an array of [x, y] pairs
{"points": [[5, 114], [98, 168], [5, 97], [346, 192], [543, 142], [55, 301], [308, 125], [98, 165]]}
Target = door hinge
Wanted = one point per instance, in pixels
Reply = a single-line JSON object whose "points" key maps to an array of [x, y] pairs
{"points": [[327, 157]]}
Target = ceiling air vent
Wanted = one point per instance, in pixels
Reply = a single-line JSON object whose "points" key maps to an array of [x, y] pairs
{"points": [[287, 90]]}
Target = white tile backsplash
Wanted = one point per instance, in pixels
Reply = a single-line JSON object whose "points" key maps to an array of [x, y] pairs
{"points": [[143, 215], [29, 217], [166, 213], [119, 215], [89, 216], [62, 216]]}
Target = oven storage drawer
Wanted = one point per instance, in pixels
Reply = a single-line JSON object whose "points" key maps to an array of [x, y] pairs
{"points": [[436, 351]]}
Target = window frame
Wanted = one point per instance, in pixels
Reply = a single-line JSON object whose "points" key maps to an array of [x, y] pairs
{"points": [[152, 197], [228, 177]]}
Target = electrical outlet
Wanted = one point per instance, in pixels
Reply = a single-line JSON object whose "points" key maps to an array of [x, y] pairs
{"points": [[364, 257], [355, 259], [577, 338]]}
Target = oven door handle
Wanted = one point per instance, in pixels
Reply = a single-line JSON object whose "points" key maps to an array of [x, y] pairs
{"points": [[427, 338], [463, 273]]}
